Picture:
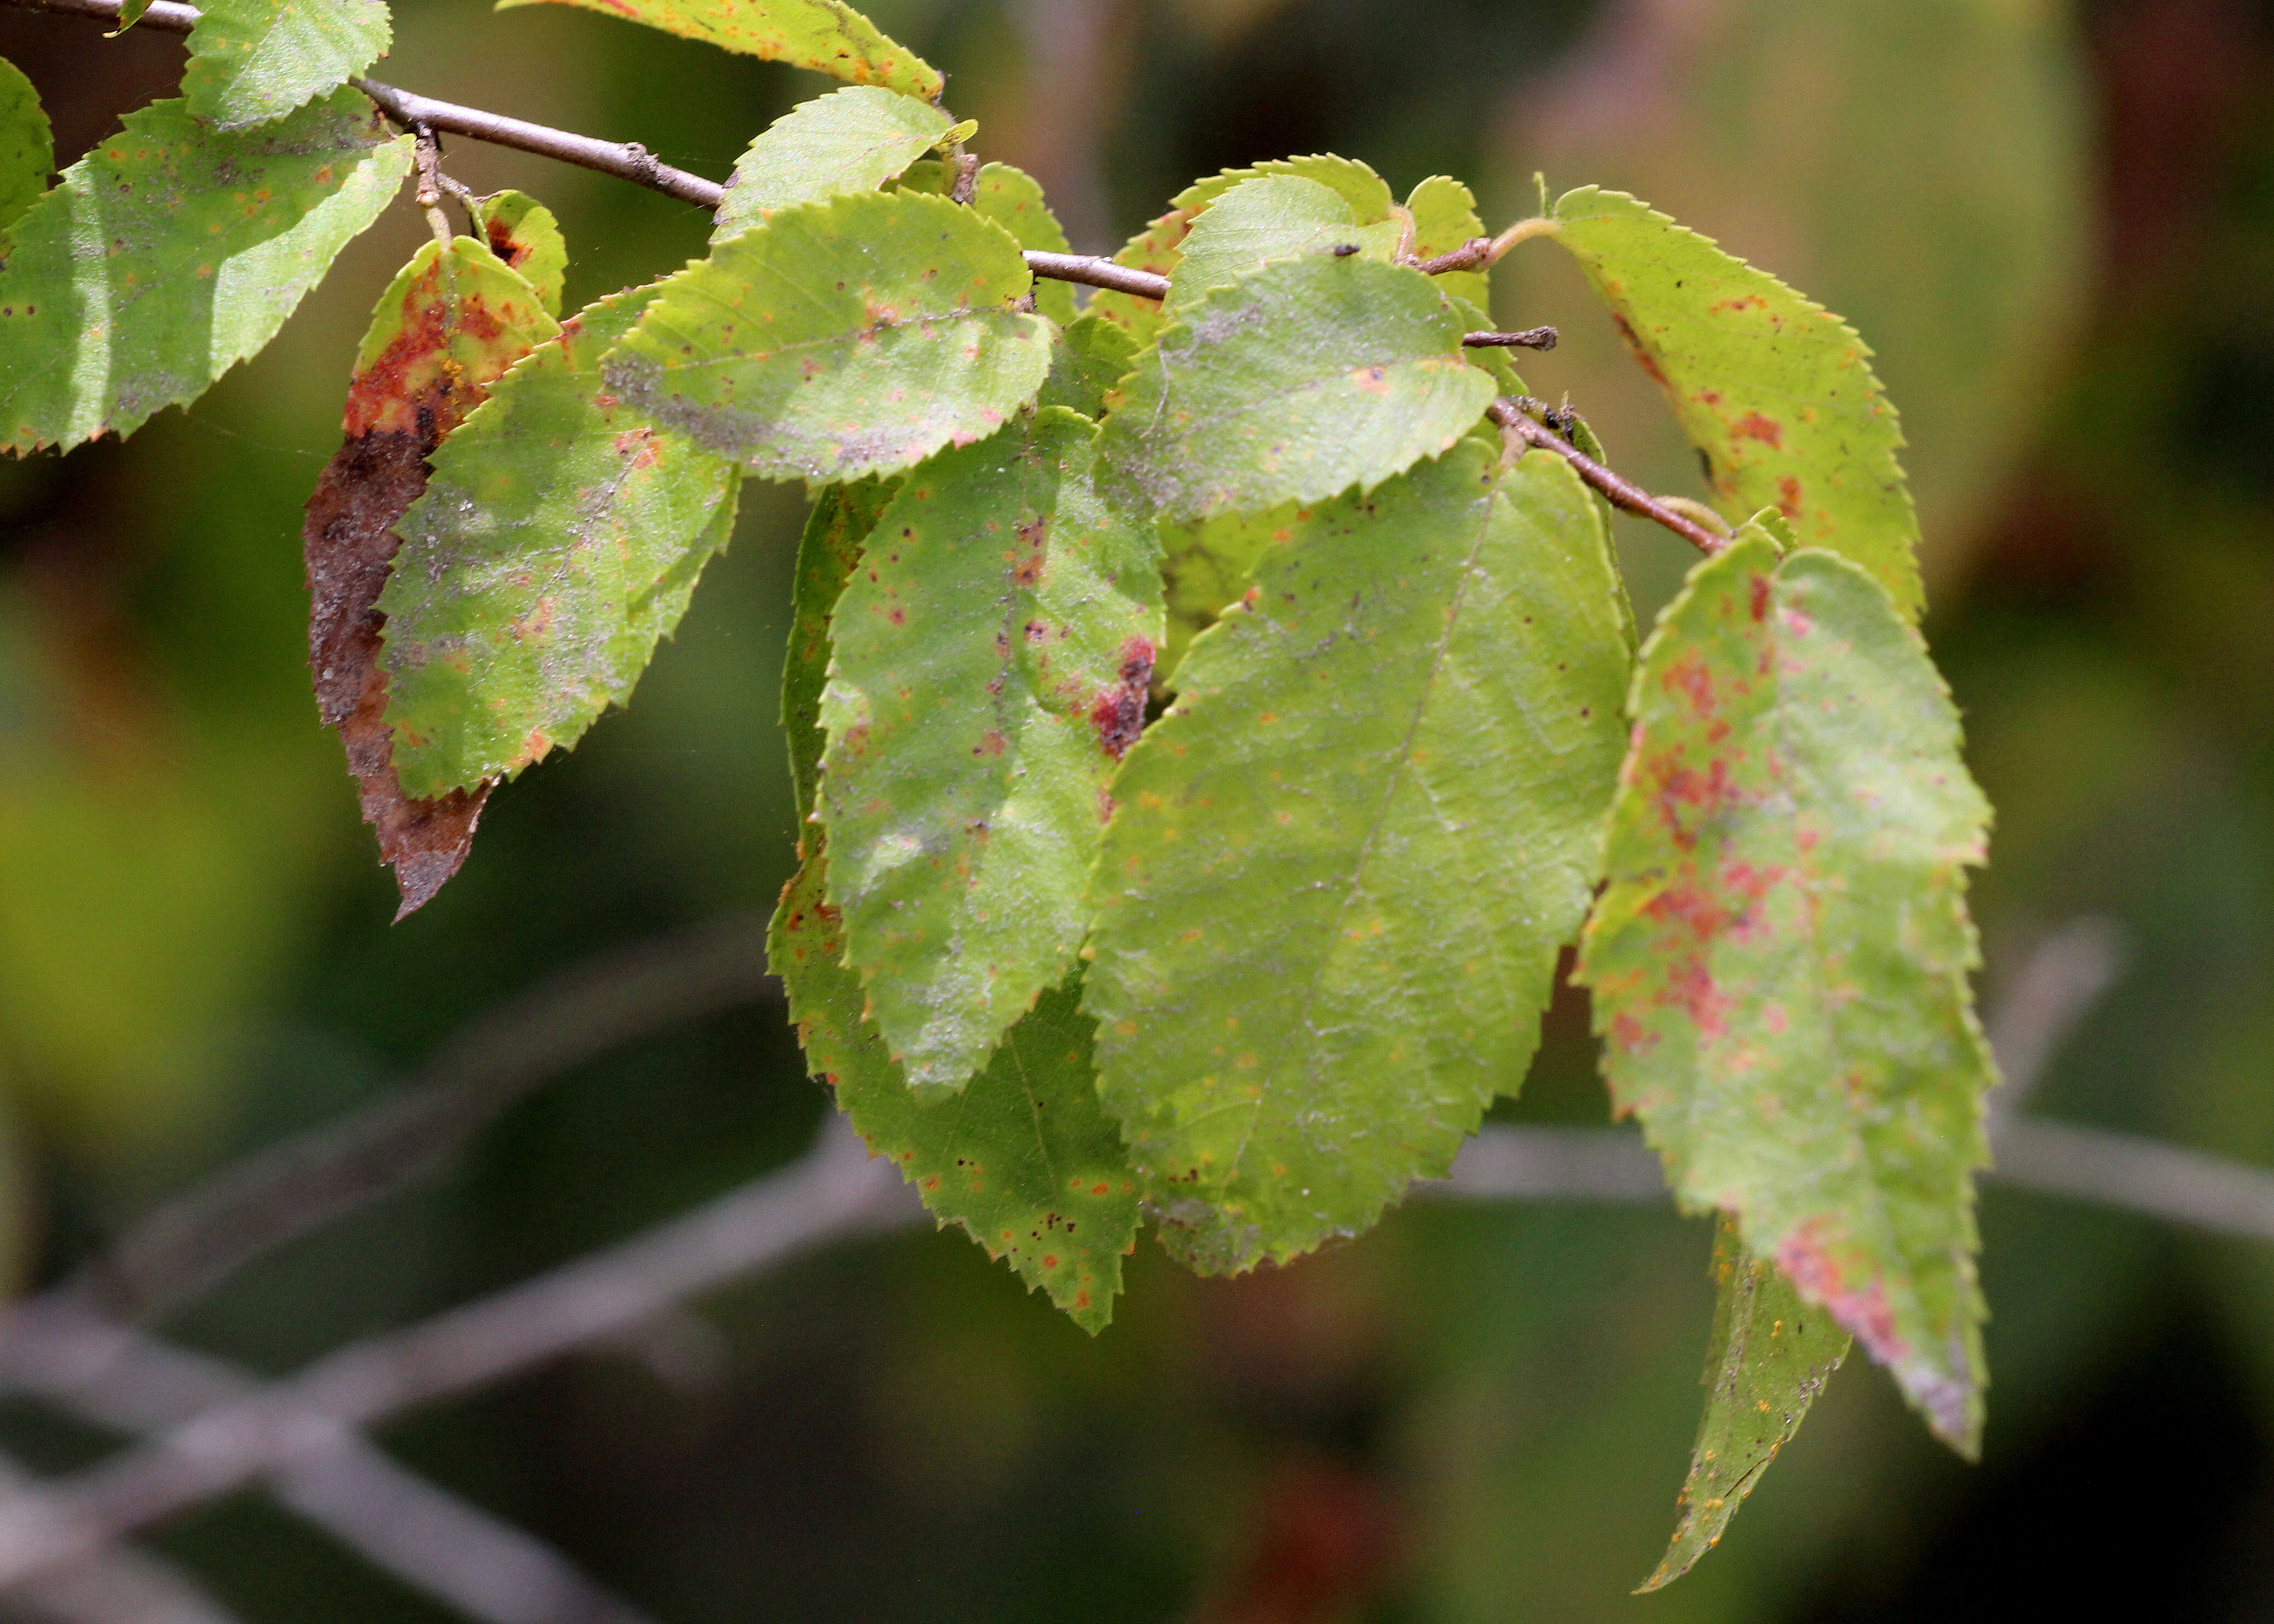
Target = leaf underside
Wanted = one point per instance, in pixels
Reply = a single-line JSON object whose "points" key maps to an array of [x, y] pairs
{"points": [[170, 253], [1293, 384], [1780, 962], [1340, 868], [255, 60], [991, 661], [448, 327], [853, 336], [850, 141], [1772, 1353], [27, 148], [1776, 393], [557, 544], [828, 36]]}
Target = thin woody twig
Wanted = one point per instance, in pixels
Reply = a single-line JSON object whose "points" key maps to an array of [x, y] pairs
{"points": [[1619, 493], [835, 1190], [1528, 338], [297, 1185], [397, 1521], [121, 1585]]}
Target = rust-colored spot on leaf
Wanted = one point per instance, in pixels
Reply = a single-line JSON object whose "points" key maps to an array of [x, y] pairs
{"points": [[1118, 711], [1753, 426], [1634, 342]]}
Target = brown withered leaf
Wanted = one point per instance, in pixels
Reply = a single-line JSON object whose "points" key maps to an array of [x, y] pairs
{"points": [[448, 327]]}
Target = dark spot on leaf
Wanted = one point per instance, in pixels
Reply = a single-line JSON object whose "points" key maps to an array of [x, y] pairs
{"points": [[1118, 711]]}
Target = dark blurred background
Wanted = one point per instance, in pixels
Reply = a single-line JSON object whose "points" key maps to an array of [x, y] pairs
{"points": [[2055, 223]]}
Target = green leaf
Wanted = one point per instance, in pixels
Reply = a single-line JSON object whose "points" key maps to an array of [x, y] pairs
{"points": [[1775, 391], [170, 253], [1444, 217], [1013, 200], [839, 523], [1366, 192], [1779, 961], [1159, 246], [523, 232], [825, 35], [1770, 1356], [1206, 568], [1024, 1158], [853, 336], [255, 60], [991, 661], [1295, 383], [130, 13], [1340, 868], [1091, 356], [557, 542], [1271, 218], [853, 139], [27, 150]]}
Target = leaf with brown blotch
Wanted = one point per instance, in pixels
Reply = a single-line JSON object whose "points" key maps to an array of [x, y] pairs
{"points": [[447, 329]]}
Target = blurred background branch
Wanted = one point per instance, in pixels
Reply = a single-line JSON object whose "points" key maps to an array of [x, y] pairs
{"points": [[1481, 1408]]}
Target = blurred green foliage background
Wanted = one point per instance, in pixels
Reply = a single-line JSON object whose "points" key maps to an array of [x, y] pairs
{"points": [[2055, 223]]}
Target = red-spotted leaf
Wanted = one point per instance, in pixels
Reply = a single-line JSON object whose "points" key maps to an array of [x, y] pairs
{"points": [[557, 544], [448, 329], [991, 661], [523, 232], [1776, 393], [1024, 1158], [1780, 962]]}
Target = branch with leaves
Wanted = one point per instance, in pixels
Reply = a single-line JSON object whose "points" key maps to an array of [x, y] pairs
{"points": [[1213, 708]]}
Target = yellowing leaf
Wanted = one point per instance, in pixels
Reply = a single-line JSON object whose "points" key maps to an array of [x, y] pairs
{"points": [[1779, 960], [825, 35], [450, 325], [523, 232], [1775, 391]]}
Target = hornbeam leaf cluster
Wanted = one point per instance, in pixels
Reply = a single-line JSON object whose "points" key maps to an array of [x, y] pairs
{"points": [[1213, 717]]}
